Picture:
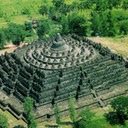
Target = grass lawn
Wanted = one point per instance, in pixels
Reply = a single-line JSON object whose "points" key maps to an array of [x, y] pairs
{"points": [[13, 9], [99, 118], [19, 19], [12, 120], [119, 44], [66, 123], [3, 23]]}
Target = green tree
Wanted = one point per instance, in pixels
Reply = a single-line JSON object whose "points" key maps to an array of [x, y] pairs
{"points": [[120, 110], [16, 33], [28, 26], [89, 124], [25, 11], [85, 4], [78, 24], [72, 110], [43, 28], [120, 104], [85, 120], [101, 5], [122, 27], [104, 24], [47, 29], [31, 121], [74, 5], [57, 10], [86, 115], [28, 109], [125, 4], [64, 23], [28, 105], [65, 9], [3, 121], [111, 24], [43, 10], [114, 3], [2, 38], [55, 15], [58, 3], [95, 23], [57, 113], [1, 13]]}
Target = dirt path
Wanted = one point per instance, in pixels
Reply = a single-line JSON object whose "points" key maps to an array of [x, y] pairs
{"points": [[9, 50]]}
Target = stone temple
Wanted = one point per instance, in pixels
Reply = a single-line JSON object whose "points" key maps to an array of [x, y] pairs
{"points": [[51, 71]]}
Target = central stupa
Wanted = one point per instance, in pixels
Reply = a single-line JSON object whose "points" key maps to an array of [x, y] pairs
{"points": [[59, 44], [58, 53]]}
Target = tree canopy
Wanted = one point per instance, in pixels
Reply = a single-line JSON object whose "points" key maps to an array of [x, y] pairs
{"points": [[28, 105], [72, 110], [120, 104], [16, 33], [120, 111], [85, 120], [28, 109], [2, 38]]}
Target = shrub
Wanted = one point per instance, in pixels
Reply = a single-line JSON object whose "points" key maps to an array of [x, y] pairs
{"points": [[78, 24]]}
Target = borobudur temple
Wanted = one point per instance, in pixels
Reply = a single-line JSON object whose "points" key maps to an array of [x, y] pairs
{"points": [[51, 71]]}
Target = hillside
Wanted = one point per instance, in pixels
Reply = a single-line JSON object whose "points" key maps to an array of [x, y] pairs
{"points": [[30, 20], [19, 11]]}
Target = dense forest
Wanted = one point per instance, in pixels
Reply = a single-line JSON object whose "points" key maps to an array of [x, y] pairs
{"points": [[84, 17]]}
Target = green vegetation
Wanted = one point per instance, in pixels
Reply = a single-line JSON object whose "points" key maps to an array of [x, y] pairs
{"points": [[3, 121], [2, 38], [120, 107], [72, 110], [16, 33], [12, 121], [95, 18], [57, 113], [89, 119], [28, 108], [85, 120]]}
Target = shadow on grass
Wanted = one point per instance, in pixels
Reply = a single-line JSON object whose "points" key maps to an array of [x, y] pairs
{"points": [[19, 126], [57, 125], [66, 123], [115, 118], [51, 126]]}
